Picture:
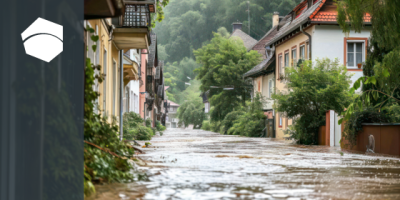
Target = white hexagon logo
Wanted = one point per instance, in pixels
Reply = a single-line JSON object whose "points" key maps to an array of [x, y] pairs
{"points": [[43, 39]]}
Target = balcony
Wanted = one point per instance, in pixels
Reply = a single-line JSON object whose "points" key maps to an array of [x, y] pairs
{"points": [[132, 29]]}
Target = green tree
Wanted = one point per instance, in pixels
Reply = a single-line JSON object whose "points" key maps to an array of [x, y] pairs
{"points": [[381, 81], [191, 112], [223, 62], [177, 75], [189, 24], [313, 91]]}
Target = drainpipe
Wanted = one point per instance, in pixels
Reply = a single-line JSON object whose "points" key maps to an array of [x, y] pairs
{"points": [[309, 41], [121, 54]]}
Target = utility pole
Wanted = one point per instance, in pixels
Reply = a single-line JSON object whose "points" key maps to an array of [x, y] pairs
{"points": [[248, 11]]}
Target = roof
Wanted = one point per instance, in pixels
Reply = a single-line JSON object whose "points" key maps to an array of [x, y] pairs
{"points": [[248, 41], [265, 67], [172, 103], [270, 34], [289, 25], [166, 87], [152, 50], [322, 11], [329, 16]]}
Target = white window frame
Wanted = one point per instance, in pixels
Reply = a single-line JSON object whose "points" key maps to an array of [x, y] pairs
{"points": [[304, 52], [280, 67], [354, 53], [288, 60], [294, 57], [270, 82]]}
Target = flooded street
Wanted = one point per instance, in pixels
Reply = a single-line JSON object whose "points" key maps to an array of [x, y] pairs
{"points": [[197, 164]]}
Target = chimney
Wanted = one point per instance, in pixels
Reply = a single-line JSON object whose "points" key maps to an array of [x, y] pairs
{"points": [[275, 19], [236, 25]]}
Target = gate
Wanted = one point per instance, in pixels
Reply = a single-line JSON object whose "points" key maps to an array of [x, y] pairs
{"points": [[269, 130]]}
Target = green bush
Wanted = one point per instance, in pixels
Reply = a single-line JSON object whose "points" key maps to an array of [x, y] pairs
{"points": [[215, 126], [315, 87], [134, 128], [139, 133], [206, 125], [251, 122], [160, 127], [229, 119], [148, 122]]}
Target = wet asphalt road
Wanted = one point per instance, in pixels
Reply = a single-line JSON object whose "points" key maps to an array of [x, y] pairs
{"points": [[197, 164]]}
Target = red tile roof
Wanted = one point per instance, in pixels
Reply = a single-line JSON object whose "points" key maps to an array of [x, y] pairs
{"points": [[332, 16]]}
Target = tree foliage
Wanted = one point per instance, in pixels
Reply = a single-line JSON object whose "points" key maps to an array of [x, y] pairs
{"points": [[189, 24], [251, 122], [223, 62], [134, 128], [107, 161], [191, 112], [312, 90], [381, 81], [176, 76]]}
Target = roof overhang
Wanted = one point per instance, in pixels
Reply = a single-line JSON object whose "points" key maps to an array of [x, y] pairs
{"points": [[268, 68], [97, 9]]}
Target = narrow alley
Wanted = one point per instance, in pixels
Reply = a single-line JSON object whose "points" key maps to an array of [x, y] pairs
{"points": [[197, 164]]}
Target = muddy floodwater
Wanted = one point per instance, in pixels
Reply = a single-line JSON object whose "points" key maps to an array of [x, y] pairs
{"points": [[196, 164]]}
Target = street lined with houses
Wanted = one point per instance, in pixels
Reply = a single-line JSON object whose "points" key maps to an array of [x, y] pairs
{"points": [[197, 164]]}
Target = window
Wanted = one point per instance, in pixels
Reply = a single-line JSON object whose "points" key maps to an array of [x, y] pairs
{"points": [[280, 66], [270, 89], [105, 80], [355, 53], [280, 121], [294, 57], [302, 52], [287, 59]]}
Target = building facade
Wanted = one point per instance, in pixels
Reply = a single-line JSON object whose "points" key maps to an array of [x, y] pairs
{"points": [[310, 31], [117, 35]]}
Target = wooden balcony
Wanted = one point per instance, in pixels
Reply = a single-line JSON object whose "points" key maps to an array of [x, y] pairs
{"points": [[132, 30]]}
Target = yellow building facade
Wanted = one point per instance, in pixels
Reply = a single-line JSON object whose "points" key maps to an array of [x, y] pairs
{"points": [[287, 54]]}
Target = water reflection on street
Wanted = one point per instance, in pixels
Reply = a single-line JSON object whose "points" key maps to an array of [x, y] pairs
{"points": [[196, 164]]}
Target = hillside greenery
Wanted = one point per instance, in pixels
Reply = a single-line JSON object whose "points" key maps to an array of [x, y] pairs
{"points": [[189, 25]]}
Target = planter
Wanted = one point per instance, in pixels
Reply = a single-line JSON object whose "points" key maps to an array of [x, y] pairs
{"points": [[386, 137], [359, 65]]}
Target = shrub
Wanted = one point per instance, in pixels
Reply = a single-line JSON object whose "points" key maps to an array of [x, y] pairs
{"points": [[215, 126], [229, 119], [160, 127], [206, 125], [134, 128], [251, 122], [315, 87], [139, 133], [148, 122]]}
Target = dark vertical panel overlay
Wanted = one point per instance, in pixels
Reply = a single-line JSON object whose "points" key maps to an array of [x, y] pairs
{"points": [[41, 105]]}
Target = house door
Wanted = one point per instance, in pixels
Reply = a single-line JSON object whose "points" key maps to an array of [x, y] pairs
{"points": [[269, 123]]}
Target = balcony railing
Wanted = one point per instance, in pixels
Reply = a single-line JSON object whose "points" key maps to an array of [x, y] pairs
{"points": [[137, 16]]}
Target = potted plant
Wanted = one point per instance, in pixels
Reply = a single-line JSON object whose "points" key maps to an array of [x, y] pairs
{"points": [[359, 65]]}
